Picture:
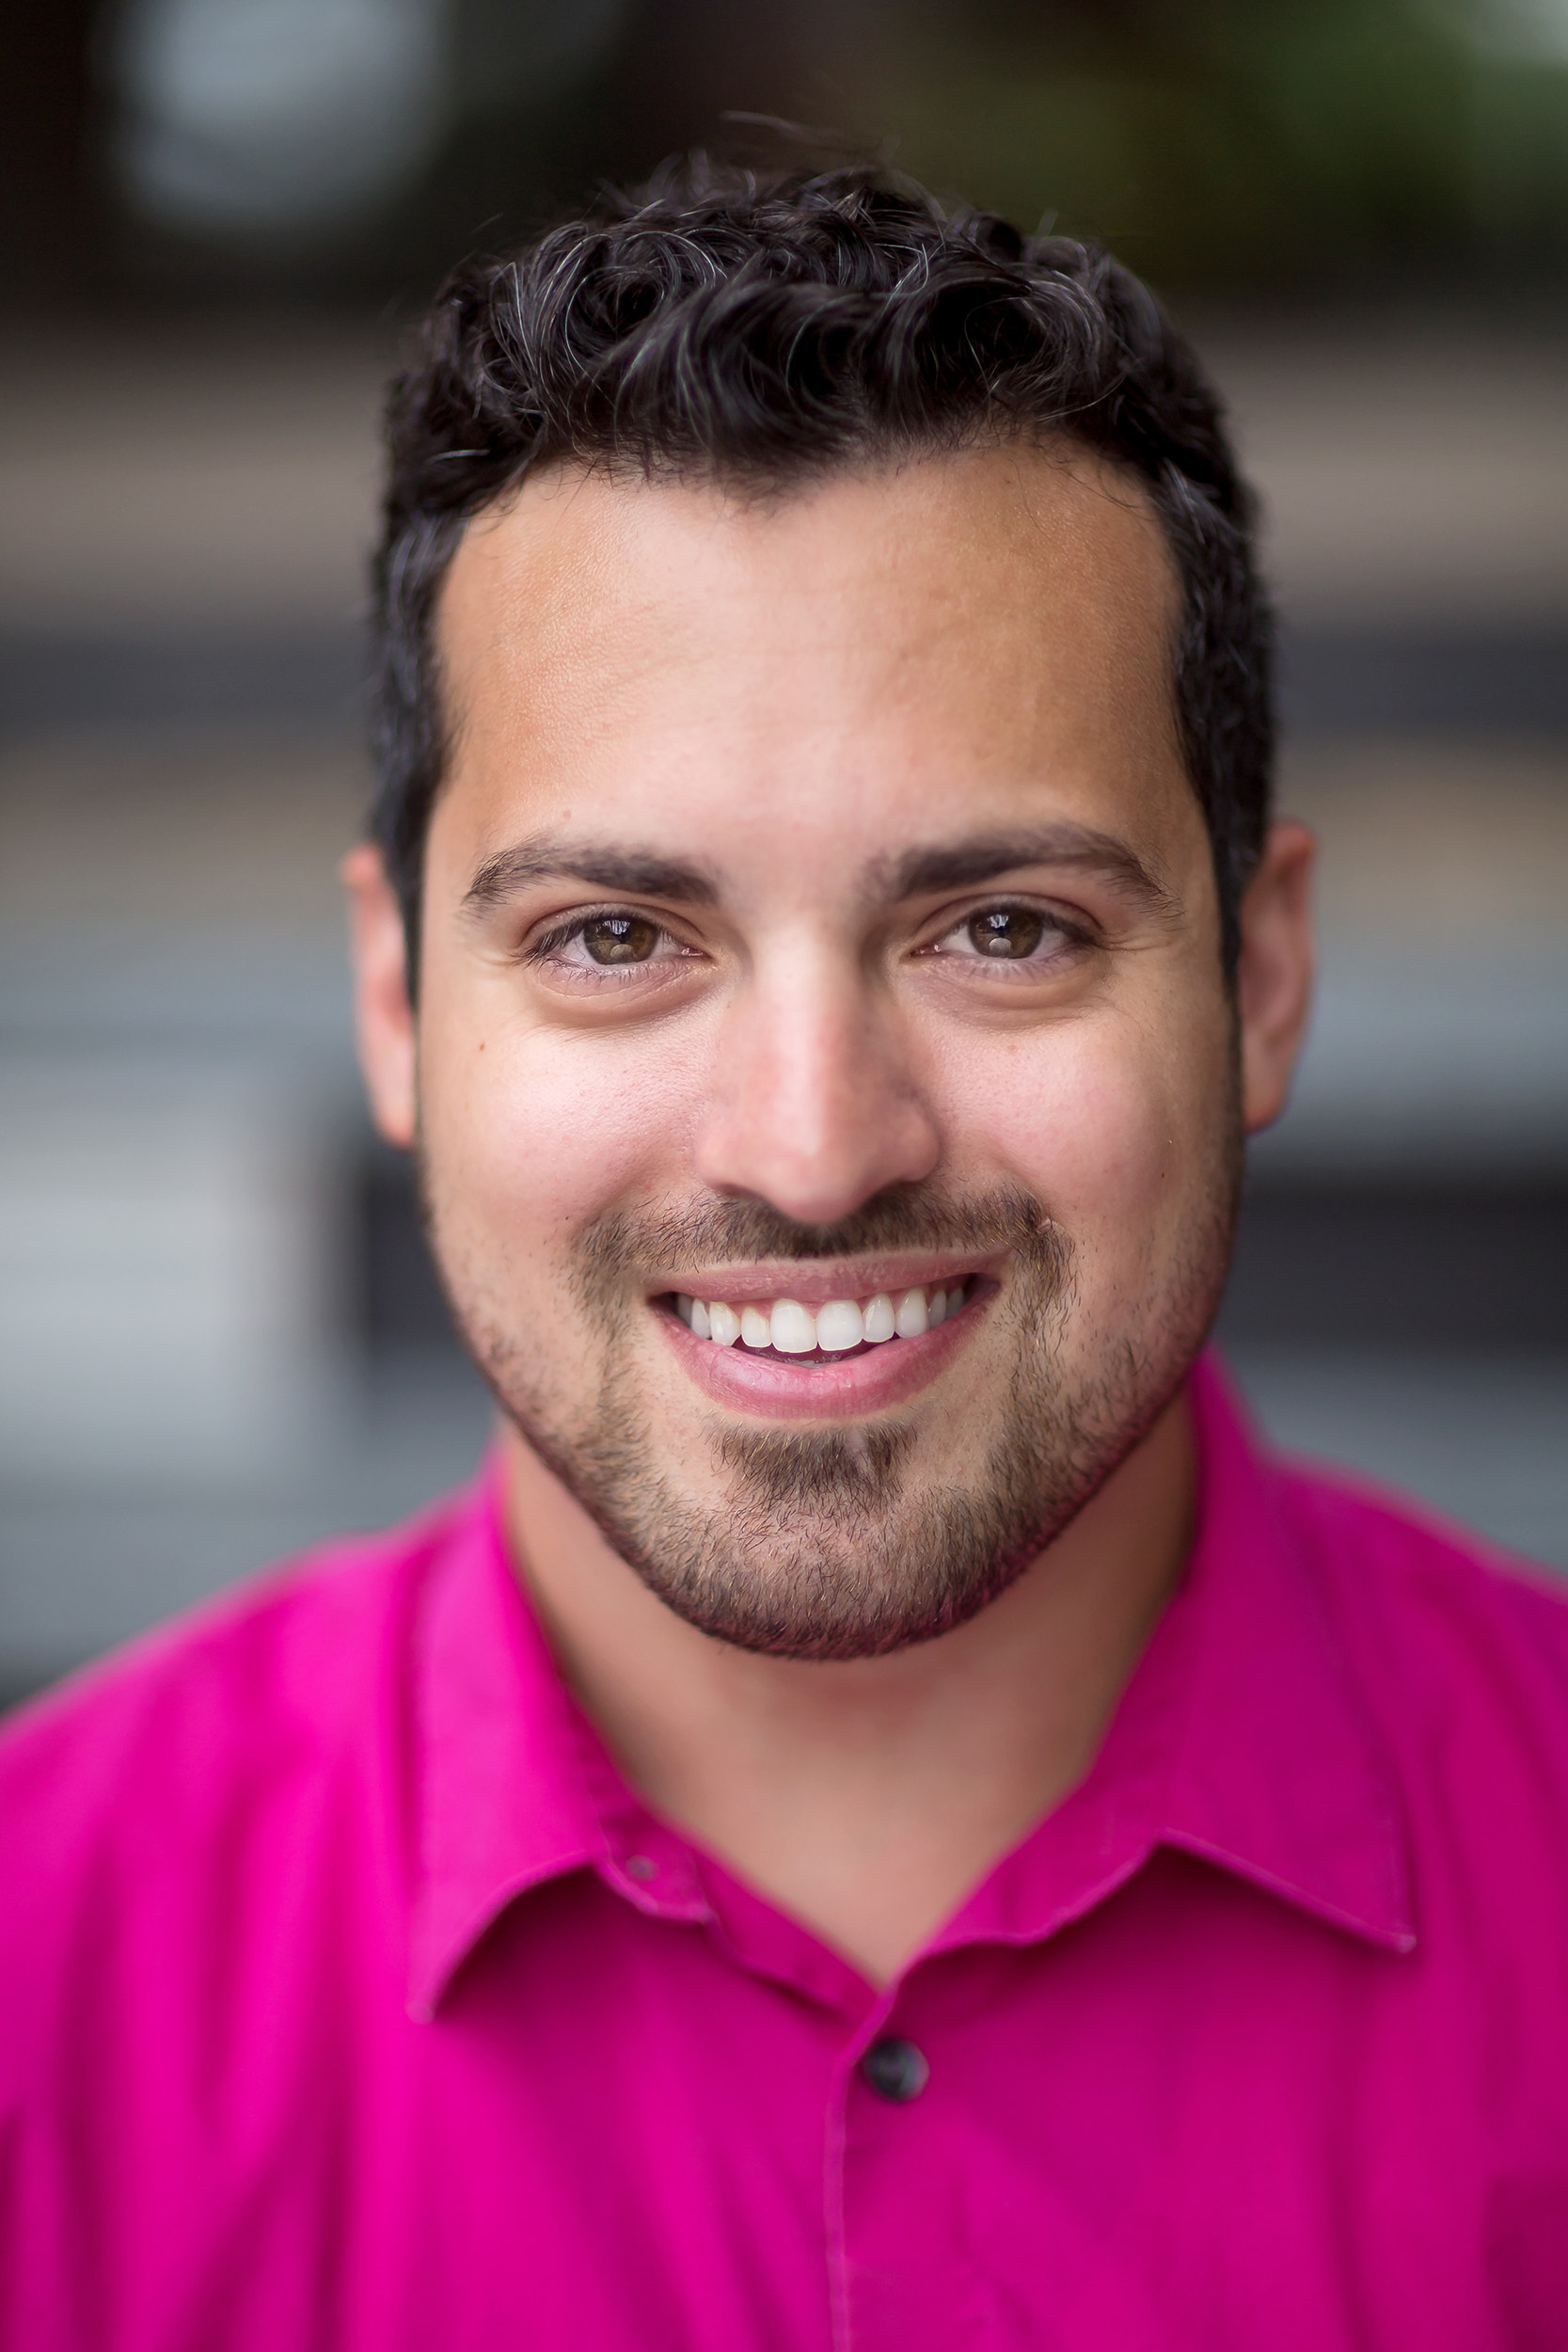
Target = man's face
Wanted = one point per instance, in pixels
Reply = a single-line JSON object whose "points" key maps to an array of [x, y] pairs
{"points": [[818, 916]]}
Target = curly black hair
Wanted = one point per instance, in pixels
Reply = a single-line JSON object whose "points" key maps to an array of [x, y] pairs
{"points": [[762, 328]]}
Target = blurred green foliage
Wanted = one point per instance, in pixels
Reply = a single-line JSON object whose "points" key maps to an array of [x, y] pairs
{"points": [[1235, 142], [1229, 146]]}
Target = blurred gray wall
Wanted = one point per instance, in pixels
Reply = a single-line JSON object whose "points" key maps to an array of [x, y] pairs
{"points": [[219, 1337], [216, 1342]]}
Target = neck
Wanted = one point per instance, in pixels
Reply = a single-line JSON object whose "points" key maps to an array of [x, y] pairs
{"points": [[867, 1797]]}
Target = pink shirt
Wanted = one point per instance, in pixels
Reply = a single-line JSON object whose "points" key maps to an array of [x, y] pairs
{"points": [[351, 2000]]}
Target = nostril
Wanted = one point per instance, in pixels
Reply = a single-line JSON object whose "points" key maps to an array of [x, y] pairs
{"points": [[813, 1163]]}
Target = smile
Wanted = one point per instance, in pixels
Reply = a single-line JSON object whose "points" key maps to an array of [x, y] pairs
{"points": [[843, 1355], [838, 1327]]}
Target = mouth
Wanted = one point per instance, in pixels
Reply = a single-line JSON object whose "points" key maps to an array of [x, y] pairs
{"points": [[838, 1355], [789, 1331]]}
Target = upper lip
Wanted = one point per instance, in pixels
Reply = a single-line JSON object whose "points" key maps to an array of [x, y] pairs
{"points": [[815, 1281]]}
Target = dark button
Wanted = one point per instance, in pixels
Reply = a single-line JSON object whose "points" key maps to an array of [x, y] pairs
{"points": [[895, 2070]]}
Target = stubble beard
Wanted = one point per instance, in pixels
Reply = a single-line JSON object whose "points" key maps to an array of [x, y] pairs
{"points": [[830, 1543]]}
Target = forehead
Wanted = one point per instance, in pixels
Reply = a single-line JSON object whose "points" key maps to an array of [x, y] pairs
{"points": [[996, 623]]}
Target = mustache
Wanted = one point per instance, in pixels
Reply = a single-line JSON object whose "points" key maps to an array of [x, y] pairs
{"points": [[902, 1216]]}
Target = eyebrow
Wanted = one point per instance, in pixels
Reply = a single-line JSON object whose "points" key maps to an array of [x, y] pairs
{"points": [[637, 873], [961, 865], [984, 857]]}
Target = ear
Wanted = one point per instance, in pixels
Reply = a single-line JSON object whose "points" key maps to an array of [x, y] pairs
{"points": [[383, 1016], [1273, 977]]}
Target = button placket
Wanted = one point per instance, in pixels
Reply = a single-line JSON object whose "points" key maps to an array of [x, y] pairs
{"points": [[902, 2269]]}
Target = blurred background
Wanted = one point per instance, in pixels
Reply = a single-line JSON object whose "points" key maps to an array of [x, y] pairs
{"points": [[219, 1337]]}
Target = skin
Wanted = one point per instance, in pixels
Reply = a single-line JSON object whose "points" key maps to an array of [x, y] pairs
{"points": [[788, 699]]}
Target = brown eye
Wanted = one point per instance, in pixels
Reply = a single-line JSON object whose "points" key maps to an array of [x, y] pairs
{"points": [[1006, 931], [620, 938]]}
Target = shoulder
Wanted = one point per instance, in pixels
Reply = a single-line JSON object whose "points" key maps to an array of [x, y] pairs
{"points": [[1461, 1653], [298, 1641], [1390, 1563], [180, 1746]]}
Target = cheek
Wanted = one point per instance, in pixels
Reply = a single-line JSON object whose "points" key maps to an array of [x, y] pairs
{"points": [[1116, 1126], [531, 1136]]}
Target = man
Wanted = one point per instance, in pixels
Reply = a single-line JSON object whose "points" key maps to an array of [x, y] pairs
{"points": [[883, 1821]]}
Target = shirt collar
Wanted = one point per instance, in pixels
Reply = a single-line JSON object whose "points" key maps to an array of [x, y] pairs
{"points": [[502, 1803], [1240, 1739], [1279, 1773]]}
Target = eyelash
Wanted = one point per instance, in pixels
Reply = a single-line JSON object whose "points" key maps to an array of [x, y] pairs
{"points": [[540, 950], [1067, 934], [549, 945]]}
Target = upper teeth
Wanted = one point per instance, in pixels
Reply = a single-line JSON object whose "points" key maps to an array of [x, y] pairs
{"points": [[785, 1324]]}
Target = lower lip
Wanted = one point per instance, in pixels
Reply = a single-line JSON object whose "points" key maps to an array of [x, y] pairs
{"points": [[761, 1384]]}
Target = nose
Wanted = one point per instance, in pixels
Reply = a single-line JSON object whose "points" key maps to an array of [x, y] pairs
{"points": [[818, 1105]]}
